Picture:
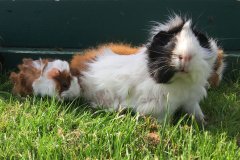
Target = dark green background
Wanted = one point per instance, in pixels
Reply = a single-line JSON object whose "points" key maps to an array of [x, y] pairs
{"points": [[83, 23]]}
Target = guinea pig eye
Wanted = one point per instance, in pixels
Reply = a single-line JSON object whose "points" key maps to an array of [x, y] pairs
{"points": [[64, 86]]}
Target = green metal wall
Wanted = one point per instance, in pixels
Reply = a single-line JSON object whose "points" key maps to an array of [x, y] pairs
{"points": [[83, 23]]}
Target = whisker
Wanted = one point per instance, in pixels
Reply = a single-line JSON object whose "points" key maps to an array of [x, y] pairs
{"points": [[162, 51], [158, 64], [160, 68]]}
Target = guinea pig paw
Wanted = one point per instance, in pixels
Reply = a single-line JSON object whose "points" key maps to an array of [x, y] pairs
{"points": [[205, 120], [60, 98], [202, 121]]}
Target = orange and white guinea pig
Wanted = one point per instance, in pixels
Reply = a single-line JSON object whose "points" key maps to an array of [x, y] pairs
{"points": [[169, 72], [46, 78]]}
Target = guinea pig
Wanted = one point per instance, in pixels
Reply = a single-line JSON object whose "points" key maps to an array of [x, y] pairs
{"points": [[46, 78], [167, 73]]}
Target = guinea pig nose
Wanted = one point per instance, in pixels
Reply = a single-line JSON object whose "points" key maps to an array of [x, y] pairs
{"points": [[180, 57], [187, 58]]}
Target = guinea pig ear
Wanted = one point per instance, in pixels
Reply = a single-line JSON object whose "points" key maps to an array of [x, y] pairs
{"points": [[164, 32], [53, 73], [162, 38]]}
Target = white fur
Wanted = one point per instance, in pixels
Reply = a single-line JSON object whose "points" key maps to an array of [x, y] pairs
{"points": [[38, 64], [119, 81], [58, 64], [44, 87]]}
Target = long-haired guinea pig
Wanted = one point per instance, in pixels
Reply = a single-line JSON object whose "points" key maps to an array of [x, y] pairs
{"points": [[46, 78], [167, 73]]}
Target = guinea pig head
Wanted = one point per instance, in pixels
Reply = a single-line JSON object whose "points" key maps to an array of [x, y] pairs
{"points": [[178, 50], [67, 86]]}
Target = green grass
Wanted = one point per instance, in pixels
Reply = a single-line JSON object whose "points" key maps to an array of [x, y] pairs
{"points": [[35, 128]]}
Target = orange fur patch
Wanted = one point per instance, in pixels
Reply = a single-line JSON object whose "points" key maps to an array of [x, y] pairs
{"points": [[122, 49], [214, 80], [219, 61], [54, 72], [78, 62], [23, 80]]}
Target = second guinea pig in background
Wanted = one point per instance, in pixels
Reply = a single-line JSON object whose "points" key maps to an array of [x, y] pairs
{"points": [[46, 78]]}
